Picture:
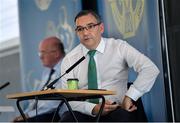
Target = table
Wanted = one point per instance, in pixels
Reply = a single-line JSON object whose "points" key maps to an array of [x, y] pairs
{"points": [[61, 94]]}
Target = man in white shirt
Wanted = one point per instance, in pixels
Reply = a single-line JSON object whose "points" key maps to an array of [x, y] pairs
{"points": [[51, 52], [113, 58]]}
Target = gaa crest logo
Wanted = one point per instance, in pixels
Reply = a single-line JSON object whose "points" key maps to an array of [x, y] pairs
{"points": [[127, 15]]}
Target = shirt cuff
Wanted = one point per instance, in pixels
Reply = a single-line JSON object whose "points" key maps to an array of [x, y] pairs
{"points": [[133, 93], [88, 109]]}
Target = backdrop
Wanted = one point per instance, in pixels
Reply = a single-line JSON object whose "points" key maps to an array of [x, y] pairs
{"points": [[40, 19], [137, 22]]}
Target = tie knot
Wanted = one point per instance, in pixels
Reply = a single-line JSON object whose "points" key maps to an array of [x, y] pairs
{"points": [[91, 53]]}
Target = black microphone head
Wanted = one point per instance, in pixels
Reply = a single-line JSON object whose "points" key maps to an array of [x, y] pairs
{"points": [[4, 85]]}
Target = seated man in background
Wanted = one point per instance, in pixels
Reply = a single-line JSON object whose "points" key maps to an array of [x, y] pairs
{"points": [[51, 53], [106, 67]]}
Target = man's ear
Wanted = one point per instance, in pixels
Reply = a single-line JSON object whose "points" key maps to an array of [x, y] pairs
{"points": [[102, 27]]}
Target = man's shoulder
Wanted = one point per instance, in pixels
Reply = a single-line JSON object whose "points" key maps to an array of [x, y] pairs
{"points": [[74, 53], [114, 42]]}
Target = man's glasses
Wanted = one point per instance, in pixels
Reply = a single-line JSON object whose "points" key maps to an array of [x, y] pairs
{"points": [[88, 27], [46, 52]]}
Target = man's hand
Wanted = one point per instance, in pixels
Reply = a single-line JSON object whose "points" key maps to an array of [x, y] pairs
{"points": [[128, 104], [108, 107]]}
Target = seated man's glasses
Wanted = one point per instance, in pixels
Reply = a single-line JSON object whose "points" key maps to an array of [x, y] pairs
{"points": [[40, 53], [89, 27]]}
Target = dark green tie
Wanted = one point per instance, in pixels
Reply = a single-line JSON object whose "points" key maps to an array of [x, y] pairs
{"points": [[92, 74]]}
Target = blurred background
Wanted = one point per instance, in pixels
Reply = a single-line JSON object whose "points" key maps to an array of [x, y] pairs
{"points": [[151, 26]]}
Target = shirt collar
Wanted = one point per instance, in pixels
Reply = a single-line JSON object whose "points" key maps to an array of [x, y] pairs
{"points": [[57, 66], [100, 48]]}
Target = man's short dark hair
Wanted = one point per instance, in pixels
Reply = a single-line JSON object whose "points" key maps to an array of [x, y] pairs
{"points": [[86, 12]]}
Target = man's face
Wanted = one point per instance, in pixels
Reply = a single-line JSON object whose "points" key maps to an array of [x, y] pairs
{"points": [[48, 55], [89, 31]]}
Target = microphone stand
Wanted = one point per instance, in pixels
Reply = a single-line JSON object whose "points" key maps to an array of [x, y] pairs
{"points": [[50, 86]]}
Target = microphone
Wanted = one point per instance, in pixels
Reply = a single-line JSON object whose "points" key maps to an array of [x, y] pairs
{"points": [[67, 71], [75, 64], [4, 85]]}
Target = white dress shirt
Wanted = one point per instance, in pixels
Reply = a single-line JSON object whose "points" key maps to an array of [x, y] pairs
{"points": [[45, 106], [113, 59]]}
